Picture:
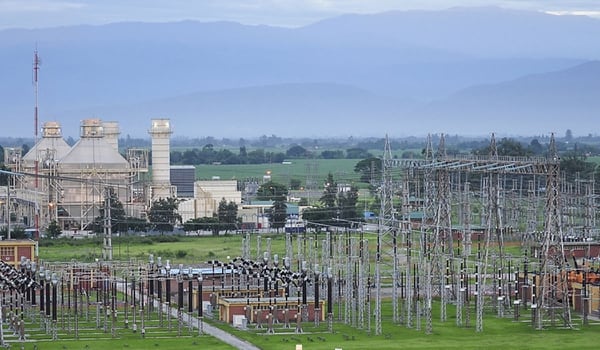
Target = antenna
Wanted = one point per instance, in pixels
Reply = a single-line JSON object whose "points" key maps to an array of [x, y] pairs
{"points": [[36, 68]]}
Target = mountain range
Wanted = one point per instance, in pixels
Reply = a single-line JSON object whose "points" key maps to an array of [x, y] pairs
{"points": [[463, 70]]}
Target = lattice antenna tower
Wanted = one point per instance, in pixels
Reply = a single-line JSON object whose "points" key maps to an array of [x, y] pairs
{"points": [[466, 220], [387, 230], [36, 68], [443, 226], [553, 292], [443, 242], [495, 223], [107, 252], [429, 200], [529, 238], [589, 217], [425, 256], [407, 238]]}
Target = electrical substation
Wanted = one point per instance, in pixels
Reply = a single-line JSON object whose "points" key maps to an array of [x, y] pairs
{"points": [[445, 226]]}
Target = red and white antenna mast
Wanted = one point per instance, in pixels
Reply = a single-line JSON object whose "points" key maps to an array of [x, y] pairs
{"points": [[36, 68]]}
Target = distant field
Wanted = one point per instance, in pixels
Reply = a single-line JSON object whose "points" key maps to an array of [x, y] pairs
{"points": [[594, 159], [301, 169]]}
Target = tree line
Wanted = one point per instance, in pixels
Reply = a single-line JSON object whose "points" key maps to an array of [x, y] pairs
{"points": [[209, 155]]}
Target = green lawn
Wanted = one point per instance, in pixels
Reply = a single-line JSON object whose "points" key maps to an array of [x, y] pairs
{"points": [[187, 250], [498, 333]]}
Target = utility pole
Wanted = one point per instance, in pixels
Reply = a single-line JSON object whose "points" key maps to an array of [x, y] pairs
{"points": [[36, 68], [107, 252]]}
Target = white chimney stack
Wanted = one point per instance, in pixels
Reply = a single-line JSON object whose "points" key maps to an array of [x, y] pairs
{"points": [[161, 158]]}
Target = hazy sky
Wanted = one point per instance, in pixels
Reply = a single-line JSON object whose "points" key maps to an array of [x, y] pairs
{"points": [[50, 13]]}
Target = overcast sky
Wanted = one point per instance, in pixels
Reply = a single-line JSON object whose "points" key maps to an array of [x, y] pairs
{"points": [[50, 13]]}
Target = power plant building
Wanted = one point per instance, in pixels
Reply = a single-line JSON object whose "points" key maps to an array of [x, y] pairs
{"points": [[95, 164], [72, 182], [183, 177], [67, 184]]}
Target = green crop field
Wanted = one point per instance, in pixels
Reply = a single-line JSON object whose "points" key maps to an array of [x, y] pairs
{"points": [[342, 170]]}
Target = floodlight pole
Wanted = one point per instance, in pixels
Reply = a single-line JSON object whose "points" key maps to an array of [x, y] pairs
{"points": [[54, 280], [317, 306], [159, 287], [179, 299], [190, 298], [200, 311], [168, 292], [329, 300], [75, 287]]}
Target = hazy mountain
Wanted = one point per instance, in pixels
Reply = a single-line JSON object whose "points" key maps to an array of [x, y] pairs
{"points": [[294, 110], [387, 58], [478, 32], [534, 104]]}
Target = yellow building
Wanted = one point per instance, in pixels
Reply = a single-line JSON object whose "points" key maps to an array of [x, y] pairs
{"points": [[12, 250]]}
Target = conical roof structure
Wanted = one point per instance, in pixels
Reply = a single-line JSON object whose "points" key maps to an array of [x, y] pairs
{"points": [[92, 150], [51, 147]]}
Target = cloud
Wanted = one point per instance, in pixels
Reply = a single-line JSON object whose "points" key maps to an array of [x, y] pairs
{"points": [[575, 13], [289, 13], [24, 6]]}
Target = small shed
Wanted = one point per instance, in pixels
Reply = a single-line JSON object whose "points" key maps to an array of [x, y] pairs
{"points": [[11, 251]]}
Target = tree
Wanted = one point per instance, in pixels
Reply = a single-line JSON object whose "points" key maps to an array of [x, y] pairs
{"points": [[203, 224], [212, 224], [573, 165], [136, 224], [227, 215], [568, 135], [295, 184], [357, 153], [3, 176], [117, 215], [278, 216], [192, 225], [506, 147], [347, 206], [368, 168], [337, 208], [163, 214], [316, 217], [18, 233], [243, 154], [536, 147], [337, 154], [272, 191], [53, 230], [25, 148], [296, 152], [330, 193]]}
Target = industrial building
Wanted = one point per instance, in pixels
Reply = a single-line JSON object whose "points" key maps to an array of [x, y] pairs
{"points": [[68, 184], [207, 196]]}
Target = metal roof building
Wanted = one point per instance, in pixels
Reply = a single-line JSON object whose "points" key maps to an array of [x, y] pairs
{"points": [[71, 181], [93, 163]]}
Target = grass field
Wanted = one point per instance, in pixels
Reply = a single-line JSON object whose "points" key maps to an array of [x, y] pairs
{"points": [[498, 333], [183, 249], [189, 249], [300, 169]]}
